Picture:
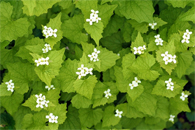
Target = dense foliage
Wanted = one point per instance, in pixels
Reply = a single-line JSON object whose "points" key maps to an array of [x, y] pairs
{"points": [[97, 64]]}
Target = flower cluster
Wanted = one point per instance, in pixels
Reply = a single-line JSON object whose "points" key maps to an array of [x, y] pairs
{"points": [[46, 48], [183, 96], [94, 56], [93, 17], [41, 101], [42, 61], [152, 25], [84, 71], [186, 36], [118, 113], [171, 118], [168, 58], [10, 86], [52, 118], [158, 40], [169, 84], [134, 83], [107, 93], [48, 31], [49, 87], [139, 50]]}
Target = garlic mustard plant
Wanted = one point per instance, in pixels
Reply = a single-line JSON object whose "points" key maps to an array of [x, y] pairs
{"points": [[52, 118], [139, 50], [94, 56], [46, 48], [84, 71], [134, 83], [171, 118], [10, 86], [168, 58], [118, 113], [186, 36], [107, 93], [42, 61], [50, 87], [93, 17], [158, 40], [41, 101], [48, 32], [152, 25], [169, 84], [183, 96]]}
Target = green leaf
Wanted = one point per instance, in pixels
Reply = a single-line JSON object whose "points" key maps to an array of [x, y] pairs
{"points": [[72, 29], [65, 3], [130, 123], [160, 125], [72, 121], [171, 50], [21, 76], [138, 42], [159, 22], [179, 47], [162, 110], [132, 112], [188, 16], [105, 1], [95, 30], [179, 3], [140, 27], [68, 76], [4, 91], [142, 67], [35, 45], [90, 117], [55, 23], [85, 87], [135, 92], [9, 29], [184, 61], [11, 103], [127, 31], [19, 115], [27, 121], [47, 73], [141, 11], [105, 12], [36, 7], [109, 117], [79, 101]]}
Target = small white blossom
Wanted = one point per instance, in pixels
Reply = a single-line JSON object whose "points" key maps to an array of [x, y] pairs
{"points": [[54, 32], [119, 113], [186, 36], [169, 83], [52, 118], [48, 31], [10, 86], [94, 56], [42, 61], [134, 83], [93, 17], [136, 80], [170, 87], [91, 20], [185, 40], [152, 25], [84, 71], [139, 50], [51, 87], [107, 93], [158, 40], [183, 96], [168, 58], [171, 118], [46, 48], [41, 101], [89, 71]]}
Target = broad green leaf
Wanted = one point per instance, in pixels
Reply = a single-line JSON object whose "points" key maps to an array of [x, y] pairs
{"points": [[114, 24], [160, 125], [142, 66], [95, 30], [85, 87], [138, 42], [21, 76], [68, 76], [188, 16], [11, 103], [65, 3], [72, 121], [127, 31], [127, 61], [152, 120], [179, 47], [109, 117], [135, 92], [90, 117], [105, 1], [179, 3], [27, 121], [171, 50], [107, 59], [159, 22], [9, 29], [55, 23], [36, 7], [114, 42], [79, 101], [162, 110], [4, 91], [130, 123], [19, 115], [47, 72], [184, 61], [132, 112], [177, 105], [140, 27], [141, 11], [105, 12], [72, 29]]}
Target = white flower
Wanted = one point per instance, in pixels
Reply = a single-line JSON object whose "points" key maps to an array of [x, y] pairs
{"points": [[139, 50], [38, 62], [51, 87], [40, 104], [173, 58], [89, 71], [55, 119], [136, 80], [45, 50], [96, 51], [94, 12], [171, 118], [107, 93], [54, 32], [165, 55], [185, 40], [157, 37], [143, 48], [183, 96], [84, 71], [118, 113], [169, 83], [159, 42], [152, 25], [94, 56], [135, 50], [170, 87], [9, 84], [97, 19], [91, 20], [41, 101], [187, 32], [133, 84], [46, 103], [10, 88], [80, 74], [50, 117]]}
